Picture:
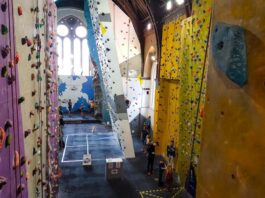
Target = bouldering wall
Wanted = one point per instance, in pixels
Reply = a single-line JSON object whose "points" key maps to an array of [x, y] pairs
{"points": [[232, 138], [77, 88], [181, 94], [110, 72], [37, 73], [12, 155]]}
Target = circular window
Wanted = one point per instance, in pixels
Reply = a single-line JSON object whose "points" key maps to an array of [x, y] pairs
{"points": [[81, 31], [62, 30]]}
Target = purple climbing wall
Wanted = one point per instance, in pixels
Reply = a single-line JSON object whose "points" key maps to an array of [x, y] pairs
{"points": [[12, 160], [52, 89]]}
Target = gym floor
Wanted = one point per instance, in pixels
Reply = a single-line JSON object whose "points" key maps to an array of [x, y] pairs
{"points": [[90, 182]]}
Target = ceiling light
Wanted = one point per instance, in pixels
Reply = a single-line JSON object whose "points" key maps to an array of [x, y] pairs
{"points": [[180, 2], [149, 26], [169, 5]]}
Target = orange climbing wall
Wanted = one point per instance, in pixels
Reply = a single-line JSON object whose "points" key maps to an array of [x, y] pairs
{"points": [[232, 155]]}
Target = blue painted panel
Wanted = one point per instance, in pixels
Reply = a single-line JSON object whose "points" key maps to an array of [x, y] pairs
{"points": [[229, 52]]}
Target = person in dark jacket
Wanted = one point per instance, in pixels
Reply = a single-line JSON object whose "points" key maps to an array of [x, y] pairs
{"points": [[162, 168], [171, 153], [150, 157]]}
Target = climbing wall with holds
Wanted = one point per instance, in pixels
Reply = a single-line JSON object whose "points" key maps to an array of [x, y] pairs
{"points": [[170, 50], [52, 170], [37, 72], [233, 141], [167, 123], [100, 93], [111, 74], [13, 177], [129, 57], [180, 108], [195, 38]]}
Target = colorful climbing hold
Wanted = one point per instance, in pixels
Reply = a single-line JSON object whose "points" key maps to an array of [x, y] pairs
{"points": [[2, 138], [4, 72], [20, 10], [21, 99], [4, 29]]}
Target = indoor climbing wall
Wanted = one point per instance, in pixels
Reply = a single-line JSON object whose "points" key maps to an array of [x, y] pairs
{"points": [[170, 49], [167, 112], [167, 95], [100, 97], [13, 176], [129, 57], [51, 71], [111, 74], [180, 98], [77, 88], [37, 73], [233, 141], [193, 83]]}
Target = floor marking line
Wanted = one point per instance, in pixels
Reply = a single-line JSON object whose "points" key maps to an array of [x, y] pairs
{"points": [[64, 148], [87, 149], [76, 146]]}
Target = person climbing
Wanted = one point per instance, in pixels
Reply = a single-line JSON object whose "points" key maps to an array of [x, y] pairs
{"points": [[150, 157], [92, 106], [162, 168], [171, 153], [169, 177], [70, 106]]}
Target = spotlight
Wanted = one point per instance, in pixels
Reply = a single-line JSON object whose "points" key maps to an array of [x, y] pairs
{"points": [[149, 26], [169, 5], [180, 2]]}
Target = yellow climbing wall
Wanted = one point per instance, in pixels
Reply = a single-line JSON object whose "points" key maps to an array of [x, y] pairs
{"points": [[195, 31], [232, 153], [166, 127], [166, 106], [170, 49], [182, 71]]}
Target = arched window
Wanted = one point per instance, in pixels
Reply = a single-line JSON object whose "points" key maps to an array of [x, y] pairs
{"points": [[72, 47]]}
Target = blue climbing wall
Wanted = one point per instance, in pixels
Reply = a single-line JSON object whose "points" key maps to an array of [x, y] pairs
{"points": [[77, 88]]}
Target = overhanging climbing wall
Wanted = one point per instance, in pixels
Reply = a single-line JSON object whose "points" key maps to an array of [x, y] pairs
{"points": [[100, 93], [111, 74], [12, 156]]}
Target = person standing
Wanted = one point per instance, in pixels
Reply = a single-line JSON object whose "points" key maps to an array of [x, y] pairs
{"points": [[70, 106], [147, 124], [171, 153], [150, 157], [169, 177], [162, 168]]}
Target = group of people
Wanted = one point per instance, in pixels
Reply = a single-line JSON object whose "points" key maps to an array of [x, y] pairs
{"points": [[165, 168]]}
